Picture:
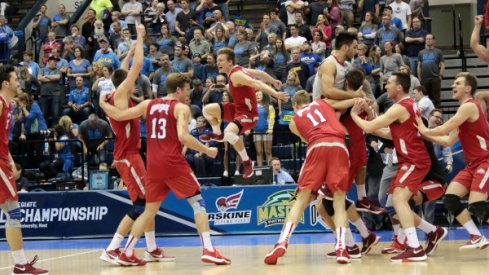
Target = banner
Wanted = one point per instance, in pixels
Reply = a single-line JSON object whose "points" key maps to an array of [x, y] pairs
{"points": [[231, 210]]}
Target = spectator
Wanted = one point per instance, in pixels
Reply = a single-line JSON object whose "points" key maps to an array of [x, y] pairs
{"points": [[367, 31], [105, 55], [333, 13], [263, 62], [150, 15], [291, 86], [101, 86], [423, 102], [116, 20], [48, 46], [69, 127], [205, 11], [375, 54], [159, 19], [387, 33], [243, 50], [132, 11], [415, 43], [199, 68], [312, 78], [125, 44], [294, 40], [293, 6], [399, 49], [159, 79], [154, 55], [308, 57], [371, 6], [223, 6], [78, 39], [186, 20], [62, 63], [219, 36], [41, 25], [6, 38], [50, 93], [280, 59], [304, 30], [22, 183], [390, 62], [98, 32], [79, 67], [181, 63], [60, 22], [277, 26], [300, 67], [263, 131], [32, 67], [28, 83], [232, 39], [199, 45], [215, 92], [346, 9], [100, 7], [324, 29], [95, 134], [88, 31], [166, 41], [171, 15], [402, 11], [316, 8], [196, 93], [250, 37], [64, 149], [431, 67], [200, 163], [79, 102], [271, 47], [226, 97], [68, 49], [280, 176], [414, 80]]}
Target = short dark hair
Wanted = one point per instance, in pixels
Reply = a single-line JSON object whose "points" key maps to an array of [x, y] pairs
{"points": [[294, 25], [403, 79], [470, 80], [345, 38], [5, 71], [118, 77], [436, 110], [355, 78], [421, 89], [176, 80], [82, 51]]}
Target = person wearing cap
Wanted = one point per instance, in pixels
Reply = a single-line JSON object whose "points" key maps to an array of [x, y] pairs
{"points": [[105, 55], [49, 96]]}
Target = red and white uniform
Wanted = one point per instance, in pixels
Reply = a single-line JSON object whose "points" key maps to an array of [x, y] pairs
{"points": [[127, 159], [8, 188], [327, 158], [357, 148], [244, 108], [167, 167], [474, 138], [414, 160]]}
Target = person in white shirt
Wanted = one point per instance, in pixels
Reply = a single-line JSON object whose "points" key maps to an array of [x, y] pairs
{"points": [[294, 40], [294, 6], [402, 11], [280, 176], [423, 102]]}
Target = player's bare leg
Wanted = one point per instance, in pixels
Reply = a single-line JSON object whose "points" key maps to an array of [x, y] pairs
{"points": [[364, 204], [341, 221], [212, 113], [231, 135], [293, 218]]}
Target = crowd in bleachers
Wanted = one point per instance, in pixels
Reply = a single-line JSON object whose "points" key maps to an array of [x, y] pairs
{"points": [[71, 66]]}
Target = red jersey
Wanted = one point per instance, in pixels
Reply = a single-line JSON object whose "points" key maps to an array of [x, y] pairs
{"points": [[164, 150], [244, 97], [318, 120], [407, 140], [5, 124], [127, 133], [474, 137], [356, 133]]}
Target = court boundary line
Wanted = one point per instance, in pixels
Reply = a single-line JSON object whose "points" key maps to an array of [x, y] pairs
{"points": [[59, 258]]}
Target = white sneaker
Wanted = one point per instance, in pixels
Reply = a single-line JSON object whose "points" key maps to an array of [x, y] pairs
{"points": [[237, 173], [225, 174]]}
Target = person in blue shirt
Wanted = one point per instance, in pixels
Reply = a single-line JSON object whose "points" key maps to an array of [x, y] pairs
{"points": [[64, 149], [199, 68], [31, 66], [105, 55], [263, 131], [200, 163], [6, 34], [308, 57], [79, 102]]}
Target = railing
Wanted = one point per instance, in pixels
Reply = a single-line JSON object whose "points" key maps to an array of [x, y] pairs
{"points": [[461, 45], [79, 12]]}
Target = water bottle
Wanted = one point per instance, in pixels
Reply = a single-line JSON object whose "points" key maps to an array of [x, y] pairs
{"points": [[46, 148]]}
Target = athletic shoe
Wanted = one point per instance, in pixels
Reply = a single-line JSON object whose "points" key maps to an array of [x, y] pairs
{"points": [[29, 268], [394, 247], [211, 137], [277, 252], [125, 260], [225, 174], [110, 256], [433, 239], [342, 256], [475, 241], [157, 255], [214, 257], [411, 255], [370, 241], [353, 252], [366, 205], [247, 169]]}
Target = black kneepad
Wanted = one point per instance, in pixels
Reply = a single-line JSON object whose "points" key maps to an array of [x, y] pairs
{"points": [[453, 204], [412, 204], [328, 206], [479, 209]]}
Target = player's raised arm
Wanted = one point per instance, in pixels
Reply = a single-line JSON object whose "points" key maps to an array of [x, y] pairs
{"points": [[266, 77], [481, 51], [465, 111], [328, 71], [394, 113], [240, 78], [124, 114], [483, 98]]}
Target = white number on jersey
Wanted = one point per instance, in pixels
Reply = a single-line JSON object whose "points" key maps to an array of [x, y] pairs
{"points": [[159, 125], [248, 103], [314, 121]]}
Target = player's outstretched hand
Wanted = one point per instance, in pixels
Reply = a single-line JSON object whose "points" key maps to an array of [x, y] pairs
{"points": [[420, 125], [211, 152], [277, 84], [141, 31], [359, 106], [478, 19], [283, 96]]}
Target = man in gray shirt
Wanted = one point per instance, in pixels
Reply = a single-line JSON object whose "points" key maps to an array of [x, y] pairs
{"points": [[181, 63], [49, 98], [387, 33], [431, 67], [199, 45], [159, 79], [60, 22]]}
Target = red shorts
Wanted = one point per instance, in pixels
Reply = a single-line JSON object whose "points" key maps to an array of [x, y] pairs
{"points": [[326, 162], [358, 160], [184, 186], [246, 121], [475, 178], [433, 190], [8, 188], [409, 175], [132, 171]]}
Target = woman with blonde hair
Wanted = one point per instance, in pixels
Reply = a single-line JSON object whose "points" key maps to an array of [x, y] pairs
{"points": [[263, 131]]}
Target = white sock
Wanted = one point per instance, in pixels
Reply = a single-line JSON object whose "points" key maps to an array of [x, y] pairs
{"points": [[395, 228], [130, 245], [471, 228], [361, 227], [288, 229], [19, 257], [361, 192], [116, 242], [349, 238], [205, 237], [216, 129], [150, 241], [412, 238], [243, 155], [426, 227], [401, 236], [340, 237]]}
